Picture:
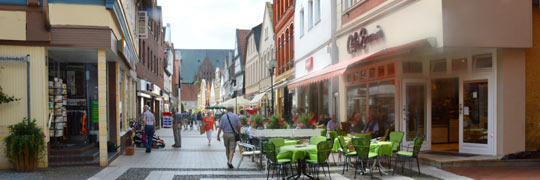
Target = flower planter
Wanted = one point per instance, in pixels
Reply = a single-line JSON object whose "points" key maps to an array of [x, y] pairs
{"points": [[285, 132], [27, 161]]}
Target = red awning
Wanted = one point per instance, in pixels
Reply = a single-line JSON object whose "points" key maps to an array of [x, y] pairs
{"points": [[340, 68]]}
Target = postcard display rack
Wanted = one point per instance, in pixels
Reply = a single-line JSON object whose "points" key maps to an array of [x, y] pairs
{"points": [[57, 106]]}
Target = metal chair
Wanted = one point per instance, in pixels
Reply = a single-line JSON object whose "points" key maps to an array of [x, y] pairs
{"points": [[403, 156]]}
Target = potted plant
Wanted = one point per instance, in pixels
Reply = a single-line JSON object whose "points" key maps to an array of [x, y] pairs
{"points": [[258, 121], [303, 121], [244, 121], [130, 148], [24, 145], [277, 122]]}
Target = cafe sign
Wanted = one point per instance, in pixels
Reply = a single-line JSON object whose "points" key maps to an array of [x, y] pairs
{"points": [[309, 63], [357, 41]]}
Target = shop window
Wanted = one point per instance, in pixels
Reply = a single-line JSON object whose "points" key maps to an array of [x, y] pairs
{"points": [[381, 114], [412, 67], [482, 62], [390, 69], [348, 77], [459, 64], [437, 66], [356, 76], [372, 73], [356, 107], [380, 71]]}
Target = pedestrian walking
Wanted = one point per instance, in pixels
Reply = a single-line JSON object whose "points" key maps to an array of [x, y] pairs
{"points": [[185, 119], [199, 118], [177, 128], [230, 125], [148, 122], [208, 123]]}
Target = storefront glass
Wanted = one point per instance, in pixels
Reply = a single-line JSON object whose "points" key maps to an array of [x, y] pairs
{"points": [[415, 110], [475, 112], [381, 114], [356, 106]]}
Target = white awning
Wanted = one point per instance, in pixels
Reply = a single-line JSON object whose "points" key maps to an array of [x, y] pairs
{"points": [[232, 102], [257, 98]]}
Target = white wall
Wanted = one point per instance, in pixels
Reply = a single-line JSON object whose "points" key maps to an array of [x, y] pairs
{"points": [[405, 23], [267, 46], [313, 41]]}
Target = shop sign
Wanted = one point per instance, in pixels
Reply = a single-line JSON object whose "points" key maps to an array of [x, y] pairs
{"points": [[309, 63], [358, 40]]}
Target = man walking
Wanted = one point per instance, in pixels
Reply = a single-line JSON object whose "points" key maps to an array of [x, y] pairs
{"points": [[148, 122], [230, 125], [177, 127]]}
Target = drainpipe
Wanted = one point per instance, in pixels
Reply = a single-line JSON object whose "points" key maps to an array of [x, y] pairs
{"points": [[334, 82]]}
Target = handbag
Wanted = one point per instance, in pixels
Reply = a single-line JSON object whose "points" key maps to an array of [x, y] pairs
{"points": [[202, 129], [236, 135]]}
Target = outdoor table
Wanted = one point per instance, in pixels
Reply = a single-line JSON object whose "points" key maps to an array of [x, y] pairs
{"points": [[299, 154], [336, 146], [290, 142]]}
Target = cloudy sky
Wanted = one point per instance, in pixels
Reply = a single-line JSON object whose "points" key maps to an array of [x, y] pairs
{"points": [[210, 24]]}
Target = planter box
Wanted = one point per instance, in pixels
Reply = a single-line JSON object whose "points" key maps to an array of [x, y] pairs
{"points": [[283, 132]]}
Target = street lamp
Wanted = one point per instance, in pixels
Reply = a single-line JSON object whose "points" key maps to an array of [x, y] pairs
{"points": [[272, 65], [235, 95]]}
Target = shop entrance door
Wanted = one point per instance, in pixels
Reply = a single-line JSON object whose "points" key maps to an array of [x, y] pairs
{"points": [[476, 126], [414, 110]]}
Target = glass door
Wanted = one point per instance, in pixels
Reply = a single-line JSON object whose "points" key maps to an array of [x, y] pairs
{"points": [[476, 128], [414, 109]]}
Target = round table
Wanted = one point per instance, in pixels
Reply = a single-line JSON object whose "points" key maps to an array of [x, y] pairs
{"points": [[290, 142], [299, 153]]}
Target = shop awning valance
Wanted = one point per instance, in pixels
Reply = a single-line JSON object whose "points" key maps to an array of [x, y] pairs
{"points": [[340, 68], [257, 98]]}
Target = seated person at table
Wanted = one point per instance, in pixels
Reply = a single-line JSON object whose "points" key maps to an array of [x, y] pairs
{"points": [[357, 124], [372, 126], [333, 124], [324, 120]]}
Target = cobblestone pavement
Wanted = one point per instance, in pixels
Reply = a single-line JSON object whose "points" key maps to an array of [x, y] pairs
{"points": [[196, 160], [56, 173]]}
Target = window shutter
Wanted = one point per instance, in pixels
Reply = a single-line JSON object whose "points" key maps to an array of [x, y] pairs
{"points": [[142, 31]]}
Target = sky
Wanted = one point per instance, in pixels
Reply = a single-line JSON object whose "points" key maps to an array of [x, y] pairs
{"points": [[209, 24]]}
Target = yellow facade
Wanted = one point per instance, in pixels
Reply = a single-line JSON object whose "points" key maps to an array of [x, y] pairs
{"points": [[14, 25], [83, 15], [13, 81], [533, 87]]}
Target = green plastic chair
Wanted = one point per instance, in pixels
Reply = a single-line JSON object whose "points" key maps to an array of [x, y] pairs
{"points": [[320, 159], [403, 156], [396, 137], [333, 135], [316, 139], [368, 136], [278, 142], [362, 148], [323, 132], [274, 161], [345, 150]]}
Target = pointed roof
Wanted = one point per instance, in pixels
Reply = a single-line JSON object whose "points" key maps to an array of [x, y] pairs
{"points": [[192, 59]]}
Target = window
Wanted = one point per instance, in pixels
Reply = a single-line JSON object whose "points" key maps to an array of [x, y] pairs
{"points": [[482, 62], [301, 22], [438, 66], [412, 67], [310, 14], [317, 10], [459, 64]]}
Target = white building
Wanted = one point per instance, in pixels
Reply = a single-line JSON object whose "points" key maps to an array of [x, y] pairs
{"points": [[312, 51]]}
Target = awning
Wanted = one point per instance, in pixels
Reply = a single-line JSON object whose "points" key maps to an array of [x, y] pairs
{"points": [[340, 68], [257, 98], [232, 102]]}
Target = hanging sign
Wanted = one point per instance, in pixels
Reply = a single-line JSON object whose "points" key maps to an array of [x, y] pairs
{"points": [[358, 40], [309, 63]]}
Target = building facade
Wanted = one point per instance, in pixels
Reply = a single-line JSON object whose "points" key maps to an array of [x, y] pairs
{"points": [[457, 80], [82, 73], [253, 62], [151, 69], [313, 51], [239, 63], [197, 65], [283, 22]]}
